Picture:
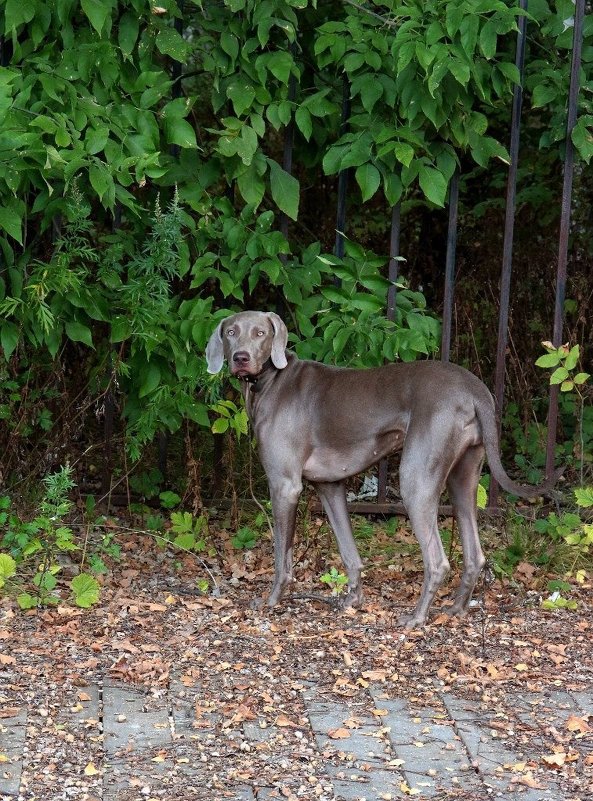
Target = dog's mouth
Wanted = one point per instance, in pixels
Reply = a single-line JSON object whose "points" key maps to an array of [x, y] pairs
{"points": [[244, 373]]}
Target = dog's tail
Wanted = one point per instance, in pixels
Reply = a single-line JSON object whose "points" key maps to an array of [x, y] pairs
{"points": [[484, 406]]}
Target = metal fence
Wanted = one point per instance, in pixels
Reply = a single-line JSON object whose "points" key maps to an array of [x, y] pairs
{"points": [[507, 260]]}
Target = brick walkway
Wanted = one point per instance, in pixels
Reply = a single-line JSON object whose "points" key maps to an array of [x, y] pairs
{"points": [[136, 746]]}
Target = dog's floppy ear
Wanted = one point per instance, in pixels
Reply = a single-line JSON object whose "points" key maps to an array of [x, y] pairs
{"points": [[214, 350], [279, 342]]}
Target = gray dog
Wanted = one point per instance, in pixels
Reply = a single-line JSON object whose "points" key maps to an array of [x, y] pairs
{"points": [[325, 424]]}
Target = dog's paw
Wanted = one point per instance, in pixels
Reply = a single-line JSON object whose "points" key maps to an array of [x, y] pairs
{"points": [[412, 621], [352, 599]]}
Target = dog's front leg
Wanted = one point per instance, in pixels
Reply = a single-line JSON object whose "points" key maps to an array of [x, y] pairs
{"points": [[285, 495], [333, 499]]}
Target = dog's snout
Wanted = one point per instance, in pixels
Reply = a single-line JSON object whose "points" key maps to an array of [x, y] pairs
{"points": [[241, 357]]}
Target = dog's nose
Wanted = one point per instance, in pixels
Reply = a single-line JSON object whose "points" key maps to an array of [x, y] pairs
{"points": [[241, 357]]}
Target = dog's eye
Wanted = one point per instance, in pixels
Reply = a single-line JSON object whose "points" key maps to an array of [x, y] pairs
{"points": [[230, 332], [261, 333]]}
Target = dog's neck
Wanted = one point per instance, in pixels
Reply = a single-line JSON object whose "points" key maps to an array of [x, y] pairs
{"points": [[252, 382]]}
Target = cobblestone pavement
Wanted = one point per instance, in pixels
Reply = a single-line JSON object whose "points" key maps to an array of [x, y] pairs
{"points": [[143, 746]]}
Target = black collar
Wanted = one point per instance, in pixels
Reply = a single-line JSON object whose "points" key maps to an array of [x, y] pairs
{"points": [[251, 380]]}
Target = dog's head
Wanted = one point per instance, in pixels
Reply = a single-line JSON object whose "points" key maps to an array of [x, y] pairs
{"points": [[247, 340]]}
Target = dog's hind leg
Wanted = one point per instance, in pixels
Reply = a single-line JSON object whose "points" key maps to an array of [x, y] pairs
{"points": [[421, 479], [462, 484]]}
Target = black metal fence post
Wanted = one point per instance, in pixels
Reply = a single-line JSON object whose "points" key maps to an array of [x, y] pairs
{"points": [[509, 229], [393, 271], [450, 267], [573, 95]]}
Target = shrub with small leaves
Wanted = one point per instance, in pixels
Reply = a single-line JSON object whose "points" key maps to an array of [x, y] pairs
{"points": [[43, 538], [245, 538], [336, 580]]}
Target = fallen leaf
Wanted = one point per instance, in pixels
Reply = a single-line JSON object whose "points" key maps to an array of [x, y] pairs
{"points": [[339, 734], [375, 675], [575, 723], [90, 770], [521, 667], [9, 711], [554, 760], [528, 780], [284, 721]]}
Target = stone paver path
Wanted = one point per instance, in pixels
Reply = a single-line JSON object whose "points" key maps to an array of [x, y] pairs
{"points": [[374, 747]]}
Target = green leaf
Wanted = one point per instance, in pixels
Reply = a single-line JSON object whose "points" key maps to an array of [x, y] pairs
{"points": [[548, 360], [78, 332], [559, 375], [86, 590], [434, 184], [129, 27], [96, 139], [241, 94], [9, 338], [403, 152], [482, 497], [392, 186], [27, 601], [370, 91], [543, 94], [334, 294], [251, 186], [152, 378], [171, 43], [488, 39], [459, 71], [17, 12], [230, 44], [102, 182], [97, 12], [7, 568], [169, 499], [285, 190], [367, 302], [570, 362], [580, 378], [584, 496], [582, 138], [220, 426], [280, 65], [120, 329], [185, 541], [179, 132], [368, 178], [10, 221], [247, 144], [304, 122]]}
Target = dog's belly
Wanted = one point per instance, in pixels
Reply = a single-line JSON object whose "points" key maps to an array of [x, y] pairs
{"points": [[334, 463]]}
